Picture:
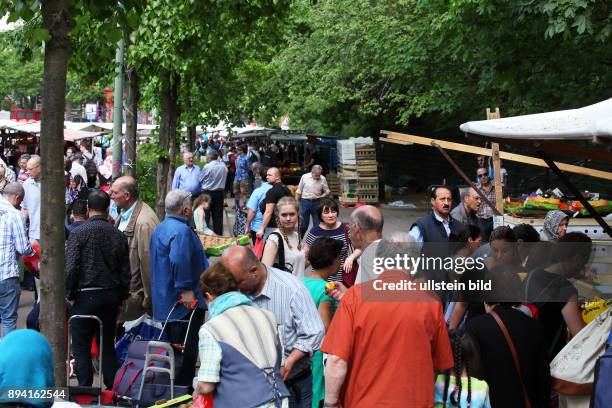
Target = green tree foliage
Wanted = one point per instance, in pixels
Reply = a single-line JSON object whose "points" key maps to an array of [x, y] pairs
{"points": [[21, 66], [352, 66]]}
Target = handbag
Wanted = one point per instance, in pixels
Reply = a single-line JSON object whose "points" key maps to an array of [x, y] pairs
{"points": [[348, 279], [517, 363]]}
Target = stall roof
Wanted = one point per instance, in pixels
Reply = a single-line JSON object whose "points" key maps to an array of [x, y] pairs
{"points": [[587, 123]]}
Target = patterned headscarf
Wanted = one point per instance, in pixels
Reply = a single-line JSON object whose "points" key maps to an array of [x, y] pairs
{"points": [[551, 224]]}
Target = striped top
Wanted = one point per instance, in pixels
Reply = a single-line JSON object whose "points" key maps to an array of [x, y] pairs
{"points": [[300, 325], [339, 233], [256, 329]]}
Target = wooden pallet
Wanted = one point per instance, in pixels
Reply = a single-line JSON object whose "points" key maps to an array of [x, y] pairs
{"points": [[366, 163]]}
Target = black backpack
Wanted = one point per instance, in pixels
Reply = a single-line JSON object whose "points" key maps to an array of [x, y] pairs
{"points": [[90, 167]]}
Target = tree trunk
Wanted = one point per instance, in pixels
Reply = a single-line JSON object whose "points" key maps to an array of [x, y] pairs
{"points": [[167, 138], [191, 138], [131, 122], [57, 20]]}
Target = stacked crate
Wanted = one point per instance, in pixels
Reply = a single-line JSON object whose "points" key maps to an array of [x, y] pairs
{"points": [[367, 173], [358, 171], [334, 184]]}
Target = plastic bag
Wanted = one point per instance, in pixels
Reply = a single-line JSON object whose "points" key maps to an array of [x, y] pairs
{"points": [[258, 248], [143, 328]]}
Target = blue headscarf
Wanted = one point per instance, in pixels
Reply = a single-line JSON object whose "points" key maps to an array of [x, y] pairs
{"points": [[227, 301], [26, 362]]}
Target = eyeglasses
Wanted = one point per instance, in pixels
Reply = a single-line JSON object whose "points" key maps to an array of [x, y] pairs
{"points": [[482, 175]]}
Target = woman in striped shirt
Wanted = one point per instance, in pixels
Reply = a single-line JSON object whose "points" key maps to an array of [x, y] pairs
{"points": [[331, 227]]}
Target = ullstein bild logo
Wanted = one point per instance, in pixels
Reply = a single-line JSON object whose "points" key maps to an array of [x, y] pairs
{"points": [[414, 265]]}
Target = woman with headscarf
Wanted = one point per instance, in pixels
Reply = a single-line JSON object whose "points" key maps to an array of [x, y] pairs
{"points": [[26, 363], [239, 345], [555, 226]]}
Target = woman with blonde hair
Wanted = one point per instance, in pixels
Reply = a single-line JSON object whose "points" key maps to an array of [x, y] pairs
{"points": [[284, 249]]}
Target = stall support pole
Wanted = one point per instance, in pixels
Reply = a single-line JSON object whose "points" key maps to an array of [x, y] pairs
{"points": [[575, 192], [497, 181], [466, 178]]}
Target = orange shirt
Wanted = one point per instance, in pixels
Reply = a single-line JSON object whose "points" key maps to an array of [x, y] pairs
{"points": [[393, 342]]}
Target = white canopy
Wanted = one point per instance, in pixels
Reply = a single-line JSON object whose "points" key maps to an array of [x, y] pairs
{"points": [[573, 124]]}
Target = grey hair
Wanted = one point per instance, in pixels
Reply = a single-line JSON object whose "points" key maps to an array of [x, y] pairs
{"points": [[34, 159], [366, 222], [176, 200], [399, 243], [131, 187], [317, 169], [14, 189]]}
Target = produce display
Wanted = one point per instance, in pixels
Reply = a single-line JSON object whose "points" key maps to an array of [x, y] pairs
{"points": [[215, 245], [533, 206]]}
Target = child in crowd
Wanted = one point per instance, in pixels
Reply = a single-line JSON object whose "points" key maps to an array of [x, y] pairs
{"points": [[462, 390], [200, 205]]}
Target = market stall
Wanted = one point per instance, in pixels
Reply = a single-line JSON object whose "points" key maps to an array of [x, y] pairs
{"points": [[558, 132]]}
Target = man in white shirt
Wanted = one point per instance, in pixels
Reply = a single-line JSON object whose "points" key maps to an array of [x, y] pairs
{"points": [[312, 187]]}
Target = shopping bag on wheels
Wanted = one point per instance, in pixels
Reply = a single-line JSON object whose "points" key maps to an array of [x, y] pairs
{"points": [[143, 328]]}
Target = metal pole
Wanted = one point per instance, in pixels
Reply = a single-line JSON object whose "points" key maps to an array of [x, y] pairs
{"points": [[117, 111], [576, 192]]}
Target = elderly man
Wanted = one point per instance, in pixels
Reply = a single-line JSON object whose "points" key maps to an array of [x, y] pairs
{"points": [[177, 260], [365, 231], [13, 243], [386, 345], [466, 212], [187, 176], [310, 190], [137, 221], [22, 172], [97, 281], [286, 296], [212, 179], [31, 210]]}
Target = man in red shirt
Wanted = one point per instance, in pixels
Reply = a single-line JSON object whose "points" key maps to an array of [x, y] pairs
{"points": [[387, 340]]}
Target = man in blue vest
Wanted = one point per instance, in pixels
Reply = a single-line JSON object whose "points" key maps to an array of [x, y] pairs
{"points": [[434, 230]]}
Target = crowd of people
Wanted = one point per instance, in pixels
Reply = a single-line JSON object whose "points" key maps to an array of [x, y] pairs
{"points": [[302, 322]]}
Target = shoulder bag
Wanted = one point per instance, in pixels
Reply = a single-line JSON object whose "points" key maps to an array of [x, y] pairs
{"points": [[280, 255], [517, 363]]}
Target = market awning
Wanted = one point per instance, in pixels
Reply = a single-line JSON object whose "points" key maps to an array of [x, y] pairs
{"points": [[573, 124], [562, 132], [252, 131]]}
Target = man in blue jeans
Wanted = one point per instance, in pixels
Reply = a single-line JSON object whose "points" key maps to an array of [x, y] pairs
{"points": [[13, 241], [311, 189]]}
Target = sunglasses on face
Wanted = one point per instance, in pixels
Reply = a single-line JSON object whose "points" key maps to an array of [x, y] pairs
{"points": [[482, 175]]}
